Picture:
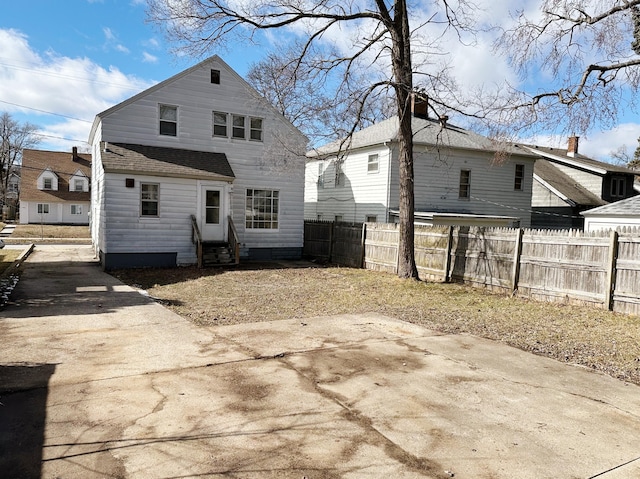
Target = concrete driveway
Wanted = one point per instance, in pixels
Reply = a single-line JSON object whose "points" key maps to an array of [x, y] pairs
{"points": [[98, 381]]}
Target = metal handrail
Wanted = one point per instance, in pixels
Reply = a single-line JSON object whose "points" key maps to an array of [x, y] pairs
{"points": [[232, 238], [196, 238]]}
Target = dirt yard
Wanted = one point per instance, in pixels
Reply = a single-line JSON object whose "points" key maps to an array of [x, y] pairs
{"points": [[601, 340], [50, 231]]}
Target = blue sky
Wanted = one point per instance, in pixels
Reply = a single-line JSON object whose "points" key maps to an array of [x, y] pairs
{"points": [[78, 57], [61, 63]]}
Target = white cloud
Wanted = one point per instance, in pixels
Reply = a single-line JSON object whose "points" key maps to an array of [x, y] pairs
{"points": [[149, 58], [600, 145], [73, 87]]}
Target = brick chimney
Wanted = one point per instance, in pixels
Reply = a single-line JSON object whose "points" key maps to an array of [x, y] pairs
{"points": [[572, 150], [419, 107]]}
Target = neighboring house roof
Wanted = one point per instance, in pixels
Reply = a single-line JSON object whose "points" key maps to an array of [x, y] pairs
{"points": [[563, 185], [161, 161], [626, 207], [63, 164], [425, 131], [581, 162]]}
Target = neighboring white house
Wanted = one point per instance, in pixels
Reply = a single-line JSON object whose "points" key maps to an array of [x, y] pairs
{"points": [[567, 183], [623, 213], [55, 187], [202, 143], [457, 178]]}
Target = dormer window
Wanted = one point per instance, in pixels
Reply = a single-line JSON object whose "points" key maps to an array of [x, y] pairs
{"points": [[78, 185], [47, 183]]}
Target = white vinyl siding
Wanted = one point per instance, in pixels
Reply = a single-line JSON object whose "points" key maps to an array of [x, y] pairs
{"points": [[360, 195], [254, 165], [438, 181]]}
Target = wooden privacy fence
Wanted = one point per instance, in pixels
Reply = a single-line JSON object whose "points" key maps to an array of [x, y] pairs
{"points": [[600, 269]]}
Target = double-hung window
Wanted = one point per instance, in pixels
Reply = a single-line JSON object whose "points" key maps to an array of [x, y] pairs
{"points": [[168, 120], [47, 183], [464, 190], [518, 183], [78, 185], [262, 208], [256, 129], [219, 124], [238, 127], [43, 208], [149, 199], [373, 164], [76, 209], [617, 187]]}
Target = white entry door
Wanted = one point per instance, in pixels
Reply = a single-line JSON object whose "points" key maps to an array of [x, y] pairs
{"points": [[213, 221]]}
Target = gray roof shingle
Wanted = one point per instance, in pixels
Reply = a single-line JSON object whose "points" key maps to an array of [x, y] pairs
{"points": [[162, 161], [425, 131], [626, 207], [566, 185]]}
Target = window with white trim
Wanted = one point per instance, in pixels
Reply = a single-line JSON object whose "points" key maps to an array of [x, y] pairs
{"points": [[256, 129], [219, 124], [464, 190], [43, 208], [238, 128], [373, 164], [76, 209], [47, 183], [168, 120], [149, 199], [78, 185], [262, 209], [518, 183]]}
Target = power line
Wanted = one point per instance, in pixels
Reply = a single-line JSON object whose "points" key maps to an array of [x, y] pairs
{"points": [[45, 111], [70, 77]]}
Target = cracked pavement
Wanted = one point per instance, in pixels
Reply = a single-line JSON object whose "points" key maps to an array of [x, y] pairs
{"points": [[99, 381]]}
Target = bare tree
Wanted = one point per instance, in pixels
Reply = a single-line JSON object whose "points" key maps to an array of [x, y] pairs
{"points": [[590, 51], [304, 95], [372, 36], [14, 137]]}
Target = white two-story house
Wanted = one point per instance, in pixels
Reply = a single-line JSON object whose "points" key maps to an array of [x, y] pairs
{"points": [[198, 159], [461, 178]]}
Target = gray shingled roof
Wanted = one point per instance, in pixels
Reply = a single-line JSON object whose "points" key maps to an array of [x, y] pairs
{"points": [[566, 185], [626, 207], [160, 161], [560, 155], [426, 132]]}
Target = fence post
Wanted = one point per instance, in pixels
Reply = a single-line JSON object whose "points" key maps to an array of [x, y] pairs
{"points": [[331, 240], [363, 244], [515, 272], [447, 258], [611, 270]]}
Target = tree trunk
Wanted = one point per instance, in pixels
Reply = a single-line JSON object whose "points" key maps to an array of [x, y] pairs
{"points": [[403, 75]]}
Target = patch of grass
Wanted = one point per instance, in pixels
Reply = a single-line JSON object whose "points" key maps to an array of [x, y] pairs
{"points": [[602, 340], [7, 257], [50, 231]]}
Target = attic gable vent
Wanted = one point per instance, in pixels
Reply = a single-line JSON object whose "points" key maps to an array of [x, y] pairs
{"points": [[215, 77]]}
